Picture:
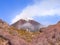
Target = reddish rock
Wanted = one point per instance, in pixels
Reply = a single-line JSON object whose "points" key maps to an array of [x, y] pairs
{"points": [[47, 36]]}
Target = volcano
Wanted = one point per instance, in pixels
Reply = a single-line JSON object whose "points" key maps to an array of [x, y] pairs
{"points": [[30, 25]]}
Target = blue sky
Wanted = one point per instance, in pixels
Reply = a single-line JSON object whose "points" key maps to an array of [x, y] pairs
{"points": [[44, 11], [10, 8]]}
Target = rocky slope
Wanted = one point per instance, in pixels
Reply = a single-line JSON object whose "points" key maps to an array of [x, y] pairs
{"points": [[31, 25], [9, 35]]}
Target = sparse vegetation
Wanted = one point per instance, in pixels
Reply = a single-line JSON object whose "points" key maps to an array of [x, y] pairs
{"points": [[26, 35]]}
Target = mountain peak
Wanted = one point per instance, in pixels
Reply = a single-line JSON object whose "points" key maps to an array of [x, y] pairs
{"points": [[27, 19], [31, 25]]}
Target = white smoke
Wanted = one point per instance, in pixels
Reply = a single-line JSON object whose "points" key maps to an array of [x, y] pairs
{"points": [[39, 8]]}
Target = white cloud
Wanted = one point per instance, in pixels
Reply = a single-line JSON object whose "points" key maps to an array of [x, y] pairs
{"points": [[39, 8]]}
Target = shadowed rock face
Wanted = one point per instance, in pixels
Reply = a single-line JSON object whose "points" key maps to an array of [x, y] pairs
{"points": [[31, 25], [4, 41]]}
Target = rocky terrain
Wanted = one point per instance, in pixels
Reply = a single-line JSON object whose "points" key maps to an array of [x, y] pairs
{"points": [[10, 35]]}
